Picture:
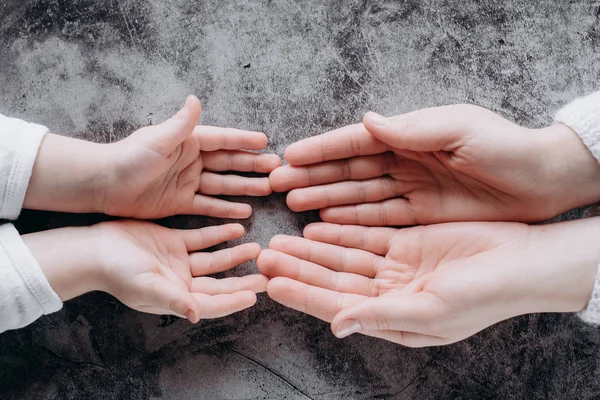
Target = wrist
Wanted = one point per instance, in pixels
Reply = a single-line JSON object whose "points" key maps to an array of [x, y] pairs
{"points": [[69, 259], [69, 175], [570, 166], [562, 280]]}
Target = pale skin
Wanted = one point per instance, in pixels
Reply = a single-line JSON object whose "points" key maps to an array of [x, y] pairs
{"points": [[436, 284], [158, 171], [150, 268], [421, 286], [444, 164], [432, 285]]}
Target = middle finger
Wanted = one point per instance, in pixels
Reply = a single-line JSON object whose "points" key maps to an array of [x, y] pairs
{"points": [[351, 169]]}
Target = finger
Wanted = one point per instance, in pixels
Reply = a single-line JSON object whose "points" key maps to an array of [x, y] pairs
{"points": [[222, 260], [430, 129], [373, 240], [349, 141], [358, 168], [233, 185], [276, 264], [392, 212], [243, 161], [336, 258], [212, 138], [175, 130], [342, 193], [256, 283], [160, 298], [197, 239], [212, 207], [220, 305], [320, 303], [408, 339], [413, 313]]}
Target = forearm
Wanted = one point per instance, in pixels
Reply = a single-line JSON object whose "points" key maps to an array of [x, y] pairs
{"points": [[68, 175], [567, 258], [569, 165], [67, 257]]}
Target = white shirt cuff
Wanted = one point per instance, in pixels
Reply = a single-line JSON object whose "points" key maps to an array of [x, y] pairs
{"points": [[19, 145], [24, 290]]}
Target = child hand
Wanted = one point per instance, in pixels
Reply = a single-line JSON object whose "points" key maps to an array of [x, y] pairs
{"points": [[170, 168], [150, 268], [157, 171]]}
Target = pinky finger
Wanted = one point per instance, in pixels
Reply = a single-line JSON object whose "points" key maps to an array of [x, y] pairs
{"points": [[221, 305], [213, 207]]}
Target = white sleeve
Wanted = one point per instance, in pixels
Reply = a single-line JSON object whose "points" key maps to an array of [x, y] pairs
{"points": [[583, 116], [19, 144], [25, 294]]}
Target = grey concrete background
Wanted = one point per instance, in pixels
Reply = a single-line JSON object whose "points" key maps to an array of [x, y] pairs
{"points": [[100, 69]]}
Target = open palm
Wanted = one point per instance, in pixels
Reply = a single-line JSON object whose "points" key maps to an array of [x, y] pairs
{"points": [[160, 271], [172, 168], [454, 163], [421, 286]]}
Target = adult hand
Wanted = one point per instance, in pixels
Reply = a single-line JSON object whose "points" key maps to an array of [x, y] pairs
{"points": [[150, 268], [158, 171], [453, 163], [432, 285]]}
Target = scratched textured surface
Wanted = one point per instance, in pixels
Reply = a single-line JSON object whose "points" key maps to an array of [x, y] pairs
{"points": [[99, 69]]}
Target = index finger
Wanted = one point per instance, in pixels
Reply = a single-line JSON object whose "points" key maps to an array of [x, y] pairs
{"points": [[212, 138], [349, 141]]}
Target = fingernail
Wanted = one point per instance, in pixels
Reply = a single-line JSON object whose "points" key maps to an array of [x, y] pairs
{"points": [[377, 119], [347, 328]]}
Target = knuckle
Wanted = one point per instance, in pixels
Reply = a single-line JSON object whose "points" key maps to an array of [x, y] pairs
{"points": [[410, 122]]}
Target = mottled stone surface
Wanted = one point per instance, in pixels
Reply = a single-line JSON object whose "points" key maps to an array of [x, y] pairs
{"points": [[99, 69]]}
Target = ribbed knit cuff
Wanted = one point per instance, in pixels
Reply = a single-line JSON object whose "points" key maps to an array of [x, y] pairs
{"points": [[19, 145], [591, 314], [583, 116]]}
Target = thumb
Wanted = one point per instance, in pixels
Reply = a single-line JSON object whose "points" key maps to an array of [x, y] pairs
{"points": [[398, 313], [180, 302], [176, 129], [430, 129], [187, 305]]}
